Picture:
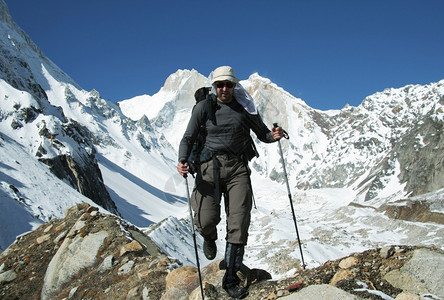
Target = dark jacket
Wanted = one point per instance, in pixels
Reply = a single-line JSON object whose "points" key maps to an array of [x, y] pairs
{"points": [[228, 133]]}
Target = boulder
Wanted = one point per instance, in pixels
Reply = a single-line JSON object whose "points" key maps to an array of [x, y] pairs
{"points": [[423, 274], [321, 291], [180, 283], [72, 256]]}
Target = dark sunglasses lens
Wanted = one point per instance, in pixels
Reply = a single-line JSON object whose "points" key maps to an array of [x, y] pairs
{"points": [[220, 85]]}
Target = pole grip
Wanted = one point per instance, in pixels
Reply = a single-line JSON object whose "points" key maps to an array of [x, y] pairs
{"points": [[183, 162], [285, 133]]}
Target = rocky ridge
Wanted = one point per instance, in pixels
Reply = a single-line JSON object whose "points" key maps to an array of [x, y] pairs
{"points": [[92, 255], [85, 255]]}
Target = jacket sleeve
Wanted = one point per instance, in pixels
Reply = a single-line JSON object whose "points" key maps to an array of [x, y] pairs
{"points": [[260, 129], [190, 135]]}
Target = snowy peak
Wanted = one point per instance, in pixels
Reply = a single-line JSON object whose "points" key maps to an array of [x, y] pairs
{"points": [[184, 80], [363, 143], [177, 91], [76, 136], [274, 103], [406, 104], [168, 109], [353, 147], [22, 60]]}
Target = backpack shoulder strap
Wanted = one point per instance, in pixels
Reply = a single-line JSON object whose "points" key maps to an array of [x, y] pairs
{"points": [[209, 109], [251, 150]]}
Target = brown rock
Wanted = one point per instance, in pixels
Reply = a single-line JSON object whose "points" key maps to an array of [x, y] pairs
{"points": [[180, 283], [91, 209], [133, 293], [134, 246], [294, 286], [48, 228], [272, 296], [60, 227], [162, 263], [43, 238], [348, 262], [340, 275], [143, 274]]}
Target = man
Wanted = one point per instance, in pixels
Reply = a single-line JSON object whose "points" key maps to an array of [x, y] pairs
{"points": [[224, 170]]}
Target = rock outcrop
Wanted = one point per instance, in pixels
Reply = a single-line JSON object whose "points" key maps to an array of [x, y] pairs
{"points": [[86, 255], [91, 255], [424, 208]]}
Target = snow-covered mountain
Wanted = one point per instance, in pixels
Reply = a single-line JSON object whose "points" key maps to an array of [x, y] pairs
{"points": [[353, 172], [76, 136], [356, 147]]}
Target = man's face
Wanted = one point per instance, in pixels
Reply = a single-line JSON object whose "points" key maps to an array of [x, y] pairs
{"points": [[225, 90]]}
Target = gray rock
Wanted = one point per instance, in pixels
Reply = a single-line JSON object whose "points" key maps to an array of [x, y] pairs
{"points": [[126, 268], [107, 264], [8, 276], [60, 237], [387, 251], [72, 292], [72, 256], [145, 294], [423, 274], [321, 291]]}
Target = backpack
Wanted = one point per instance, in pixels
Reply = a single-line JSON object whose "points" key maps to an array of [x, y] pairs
{"points": [[201, 94], [197, 156]]}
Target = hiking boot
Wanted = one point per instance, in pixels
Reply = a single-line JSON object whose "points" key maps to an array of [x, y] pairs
{"points": [[209, 249], [237, 292], [231, 283]]}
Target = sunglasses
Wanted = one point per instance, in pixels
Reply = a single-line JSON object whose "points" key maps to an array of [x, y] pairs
{"points": [[221, 85]]}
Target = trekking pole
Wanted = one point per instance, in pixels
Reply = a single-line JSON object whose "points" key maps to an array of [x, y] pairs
{"points": [[289, 194], [194, 236]]}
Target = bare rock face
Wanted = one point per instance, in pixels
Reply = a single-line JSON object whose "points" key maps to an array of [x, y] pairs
{"points": [[411, 210], [75, 253], [420, 155], [86, 177], [423, 208]]}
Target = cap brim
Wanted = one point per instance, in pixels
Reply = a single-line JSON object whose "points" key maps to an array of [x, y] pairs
{"points": [[224, 77]]}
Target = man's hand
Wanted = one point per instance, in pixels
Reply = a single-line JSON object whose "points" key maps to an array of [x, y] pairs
{"points": [[182, 168], [277, 133]]}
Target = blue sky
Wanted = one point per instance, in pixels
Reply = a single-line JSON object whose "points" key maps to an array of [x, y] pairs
{"points": [[328, 53]]}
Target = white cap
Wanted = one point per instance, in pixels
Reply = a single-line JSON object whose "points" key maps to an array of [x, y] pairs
{"points": [[224, 73]]}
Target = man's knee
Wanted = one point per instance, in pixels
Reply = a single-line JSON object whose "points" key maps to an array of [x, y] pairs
{"points": [[207, 226]]}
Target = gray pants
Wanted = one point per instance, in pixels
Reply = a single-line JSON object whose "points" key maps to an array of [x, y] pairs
{"points": [[235, 184]]}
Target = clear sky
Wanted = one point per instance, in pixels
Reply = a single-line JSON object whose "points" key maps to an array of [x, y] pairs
{"points": [[328, 53]]}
